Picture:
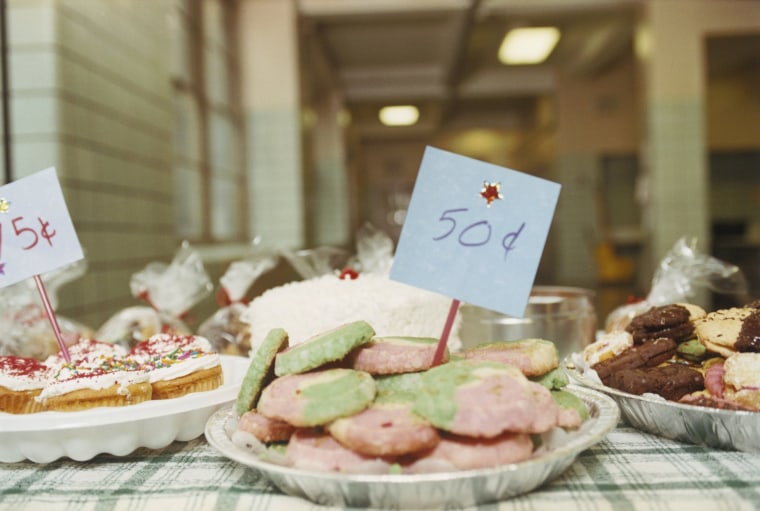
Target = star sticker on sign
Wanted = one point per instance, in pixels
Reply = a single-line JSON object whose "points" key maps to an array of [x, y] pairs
{"points": [[5, 205], [491, 192]]}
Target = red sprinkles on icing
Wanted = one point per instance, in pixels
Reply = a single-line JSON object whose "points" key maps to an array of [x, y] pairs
{"points": [[21, 366]]}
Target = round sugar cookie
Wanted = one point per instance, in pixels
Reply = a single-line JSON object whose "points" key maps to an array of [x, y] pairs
{"points": [[465, 453], [318, 397], [323, 348], [385, 429], [264, 429], [313, 449], [534, 357], [394, 355], [719, 330], [261, 370], [484, 399]]}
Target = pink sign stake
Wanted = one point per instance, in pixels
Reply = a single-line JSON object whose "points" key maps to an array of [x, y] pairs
{"points": [[441, 348], [51, 317]]}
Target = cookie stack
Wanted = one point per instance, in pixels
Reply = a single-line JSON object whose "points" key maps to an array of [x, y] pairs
{"points": [[347, 400], [682, 353]]}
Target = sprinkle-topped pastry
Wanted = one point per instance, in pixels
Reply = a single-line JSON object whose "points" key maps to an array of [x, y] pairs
{"points": [[82, 385], [21, 380], [178, 364], [164, 344], [87, 353]]}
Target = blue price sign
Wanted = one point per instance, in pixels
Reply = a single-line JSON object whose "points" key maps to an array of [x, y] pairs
{"points": [[36, 232], [475, 231]]}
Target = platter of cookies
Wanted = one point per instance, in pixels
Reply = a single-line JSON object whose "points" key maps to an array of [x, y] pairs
{"points": [[106, 401], [350, 418], [682, 373]]}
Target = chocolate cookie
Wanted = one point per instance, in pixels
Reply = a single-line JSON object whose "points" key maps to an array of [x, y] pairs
{"points": [[748, 339], [672, 321], [647, 354], [672, 381]]}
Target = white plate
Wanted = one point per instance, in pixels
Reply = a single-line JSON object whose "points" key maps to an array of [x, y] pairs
{"points": [[448, 489], [699, 425], [46, 436]]}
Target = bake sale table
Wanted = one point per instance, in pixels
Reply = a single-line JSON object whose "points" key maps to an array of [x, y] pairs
{"points": [[628, 470]]}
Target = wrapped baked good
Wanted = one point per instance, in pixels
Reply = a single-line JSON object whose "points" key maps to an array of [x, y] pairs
{"points": [[170, 290], [25, 329], [224, 329], [681, 274]]}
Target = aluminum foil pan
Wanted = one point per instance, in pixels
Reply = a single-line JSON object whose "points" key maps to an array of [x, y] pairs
{"points": [[448, 489], [699, 425]]}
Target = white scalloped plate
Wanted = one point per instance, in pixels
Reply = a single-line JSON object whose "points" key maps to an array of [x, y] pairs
{"points": [[48, 436]]}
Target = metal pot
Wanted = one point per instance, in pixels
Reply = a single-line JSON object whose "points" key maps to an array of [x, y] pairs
{"points": [[564, 315]]}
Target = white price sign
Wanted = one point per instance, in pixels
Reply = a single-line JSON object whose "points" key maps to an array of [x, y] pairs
{"points": [[36, 232]]}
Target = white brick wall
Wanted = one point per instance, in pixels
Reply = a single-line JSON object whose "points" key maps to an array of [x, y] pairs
{"points": [[91, 96]]}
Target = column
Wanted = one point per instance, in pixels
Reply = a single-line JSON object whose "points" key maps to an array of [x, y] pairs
{"points": [[670, 46], [271, 104]]}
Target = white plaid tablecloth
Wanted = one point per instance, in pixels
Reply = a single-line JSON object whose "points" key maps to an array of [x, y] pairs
{"points": [[628, 470]]}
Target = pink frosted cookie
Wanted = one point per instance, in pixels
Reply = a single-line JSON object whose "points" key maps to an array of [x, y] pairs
{"points": [[385, 429], [396, 355], [465, 453], [484, 399], [313, 449], [317, 397], [265, 430], [533, 357]]}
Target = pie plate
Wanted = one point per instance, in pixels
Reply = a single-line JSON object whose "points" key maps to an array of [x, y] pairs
{"points": [[442, 489], [722, 429]]}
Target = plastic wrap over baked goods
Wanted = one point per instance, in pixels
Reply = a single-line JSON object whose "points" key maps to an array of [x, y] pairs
{"points": [[224, 329], [170, 291], [24, 326], [680, 275], [339, 287]]}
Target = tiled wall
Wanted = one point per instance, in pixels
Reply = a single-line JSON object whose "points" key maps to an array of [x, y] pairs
{"points": [[91, 96]]}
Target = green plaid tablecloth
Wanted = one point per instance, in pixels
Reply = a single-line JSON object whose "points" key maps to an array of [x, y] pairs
{"points": [[629, 470]]}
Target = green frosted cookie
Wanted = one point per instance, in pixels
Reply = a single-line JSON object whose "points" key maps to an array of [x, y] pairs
{"points": [[533, 357], [553, 380], [261, 370], [565, 399], [318, 397], [473, 398], [692, 350], [398, 387], [326, 347]]}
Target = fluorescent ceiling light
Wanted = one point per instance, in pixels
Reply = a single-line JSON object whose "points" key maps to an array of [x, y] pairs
{"points": [[400, 115], [528, 45]]}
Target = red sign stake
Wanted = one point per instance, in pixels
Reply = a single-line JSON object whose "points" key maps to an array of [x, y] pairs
{"points": [[51, 317], [441, 348]]}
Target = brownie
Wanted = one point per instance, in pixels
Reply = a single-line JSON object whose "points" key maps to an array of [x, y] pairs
{"points": [[647, 354], [672, 381]]}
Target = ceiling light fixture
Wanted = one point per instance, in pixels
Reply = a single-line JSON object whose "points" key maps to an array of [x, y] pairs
{"points": [[528, 45], [400, 115]]}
